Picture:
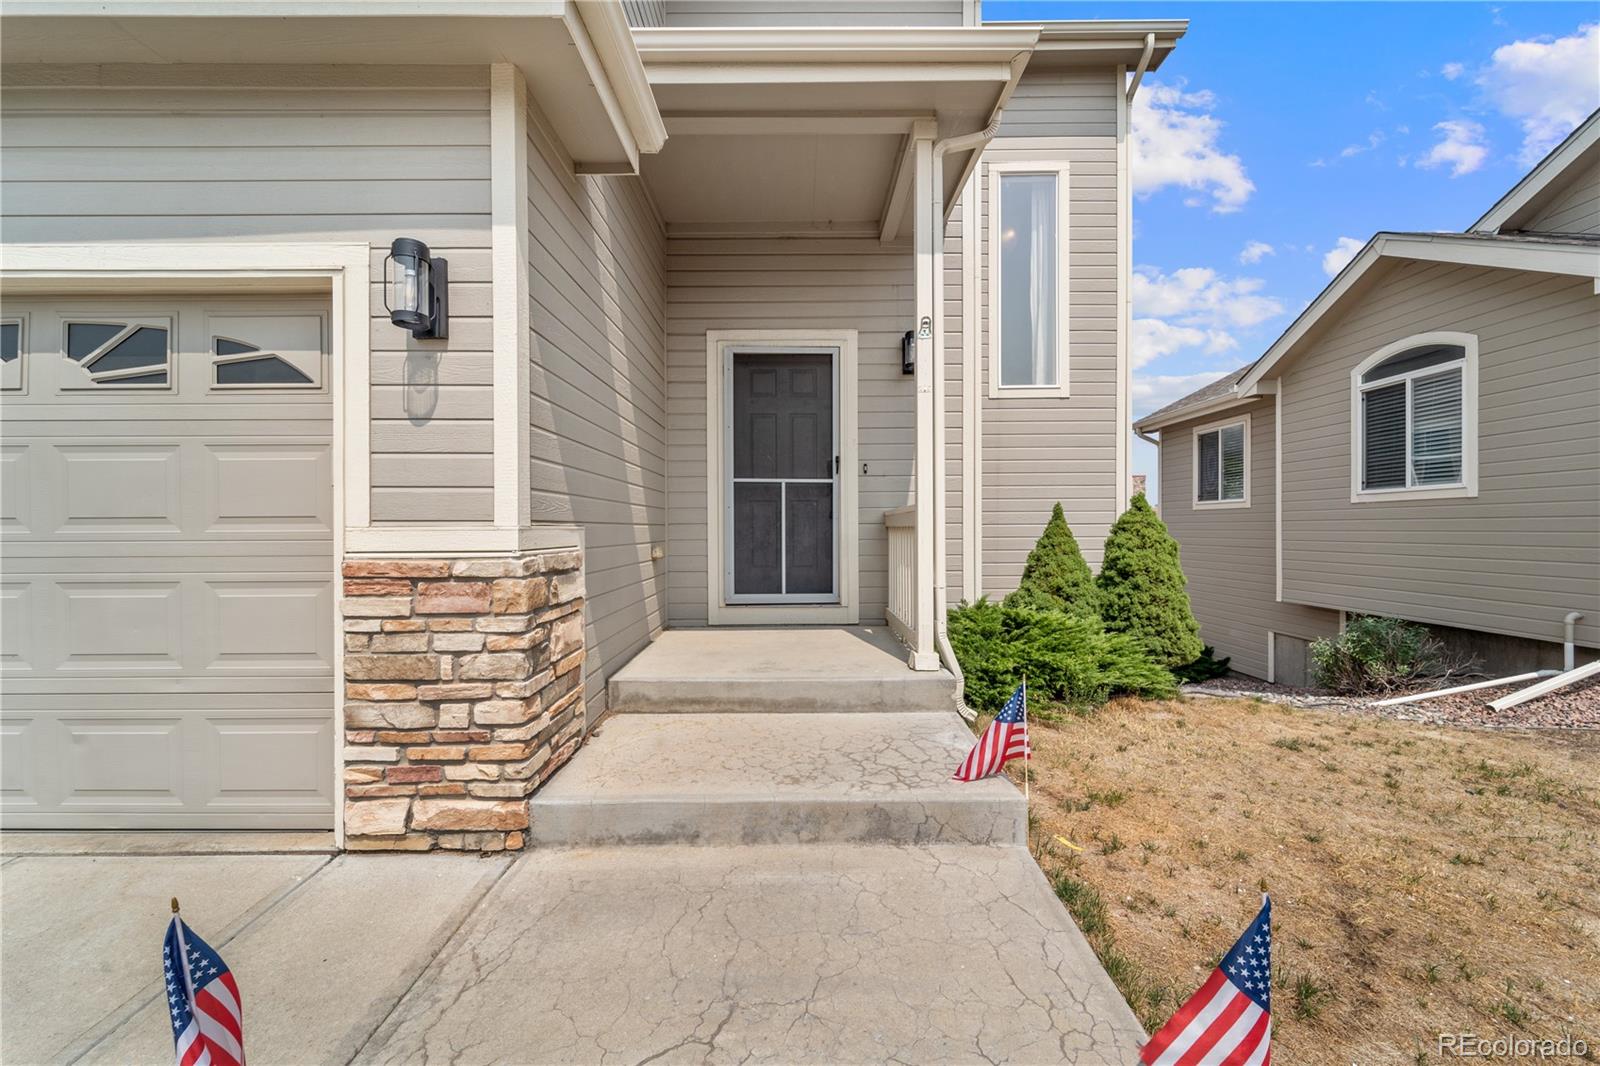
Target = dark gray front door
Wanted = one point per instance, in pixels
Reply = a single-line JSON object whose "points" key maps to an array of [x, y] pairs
{"points": [[783, 543]]}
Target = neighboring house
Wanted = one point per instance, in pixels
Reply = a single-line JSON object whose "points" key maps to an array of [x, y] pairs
{"points": [[707, 361], [1423, 443]]}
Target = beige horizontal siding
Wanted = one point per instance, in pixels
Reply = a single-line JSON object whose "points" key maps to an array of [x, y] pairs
{"points": [[1228, 553], [645, 13], [1576, 208], [1526, 550], [796, 284], [954, 500], [597, 434], [1040, 451], [813, 13], [130, 153]]}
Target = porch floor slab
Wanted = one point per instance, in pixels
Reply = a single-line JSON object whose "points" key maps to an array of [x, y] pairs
{"points": [[820, 954], [786, 778], [793, 670]]}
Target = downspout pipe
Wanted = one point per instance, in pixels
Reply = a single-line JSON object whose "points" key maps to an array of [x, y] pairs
{"points": [[1569, 650], [1144, 65], [975, 143]]}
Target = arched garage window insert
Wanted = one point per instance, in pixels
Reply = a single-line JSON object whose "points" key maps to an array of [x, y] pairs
{"points": [[250, 351], [121, 354], [11, 354], [1415, 420]]}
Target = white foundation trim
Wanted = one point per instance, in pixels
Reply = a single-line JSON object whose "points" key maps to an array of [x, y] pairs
{"points": [[508, 161], [719, 345], [343, 271]]}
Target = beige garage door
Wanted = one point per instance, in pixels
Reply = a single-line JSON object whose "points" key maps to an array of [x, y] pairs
{"points": [[166, 641]]}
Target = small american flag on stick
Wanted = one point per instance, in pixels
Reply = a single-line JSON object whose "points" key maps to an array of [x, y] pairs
{"points": [[1004, 740], [1229, 1021], [202, 1000]]}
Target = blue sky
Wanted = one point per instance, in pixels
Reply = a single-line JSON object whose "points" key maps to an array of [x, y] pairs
{"points": [[1279, 136]]}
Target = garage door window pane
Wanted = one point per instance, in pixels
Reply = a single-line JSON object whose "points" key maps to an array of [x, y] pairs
{"points": [[86, 338], [145, 348], [267, 370]]}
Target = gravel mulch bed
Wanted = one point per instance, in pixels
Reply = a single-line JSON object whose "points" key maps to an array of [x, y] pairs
{"points": [[1574, 707]]}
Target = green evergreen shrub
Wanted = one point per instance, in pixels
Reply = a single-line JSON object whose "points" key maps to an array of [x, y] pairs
{"points": [[1066, 659], [1055, 577], [1375, 655], [1141, 587], [1204, 668]]}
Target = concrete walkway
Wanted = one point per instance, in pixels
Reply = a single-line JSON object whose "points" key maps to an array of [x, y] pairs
{"points": [[768, 953]]}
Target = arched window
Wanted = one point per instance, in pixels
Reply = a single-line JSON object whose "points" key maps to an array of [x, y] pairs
{"points": [[1414, 419]]}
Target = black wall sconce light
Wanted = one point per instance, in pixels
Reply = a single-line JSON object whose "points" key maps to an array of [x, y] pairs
{"points": [[908, 353], [416, 289]]}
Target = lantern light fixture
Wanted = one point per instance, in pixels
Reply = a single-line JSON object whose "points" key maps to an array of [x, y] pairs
{"points": [[908, 353], [415, 289]]}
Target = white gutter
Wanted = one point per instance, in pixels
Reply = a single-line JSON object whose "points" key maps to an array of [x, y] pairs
{"points": [[1569, 649], [1496, 683], [1144, 65], [1547, 686]]}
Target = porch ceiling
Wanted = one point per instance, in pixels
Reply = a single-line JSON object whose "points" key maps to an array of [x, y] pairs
{"points": [[800, 132]]}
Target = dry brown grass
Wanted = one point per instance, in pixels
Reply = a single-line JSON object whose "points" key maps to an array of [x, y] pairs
{"points": [[1424, 879]]}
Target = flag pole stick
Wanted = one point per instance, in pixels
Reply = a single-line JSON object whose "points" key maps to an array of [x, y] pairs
{"points": [[1027, 756]]}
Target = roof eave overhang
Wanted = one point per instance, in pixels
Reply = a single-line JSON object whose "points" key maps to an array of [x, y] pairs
{"points": [[1573, 260], [1226, 402], [1099, 42], [578, 58]]}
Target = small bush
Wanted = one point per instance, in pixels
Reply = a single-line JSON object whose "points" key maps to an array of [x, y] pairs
{"points": [[1204, 668], [1067, 659], [1375, 655], [1142, 589], [1056, 577]]}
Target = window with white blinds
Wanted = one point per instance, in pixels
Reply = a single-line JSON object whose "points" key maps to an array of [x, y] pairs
{"points": [[1414, 417], [1221, 453]]}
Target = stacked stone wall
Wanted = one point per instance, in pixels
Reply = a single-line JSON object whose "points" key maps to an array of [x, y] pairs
{"points": [[463, 684]]}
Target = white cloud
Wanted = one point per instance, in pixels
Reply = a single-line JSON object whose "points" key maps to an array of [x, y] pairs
{"points": [[1154, 338], [1198, 296], [1461, 147], [1151, 392], [1255, 251], [1548, 85], [1175, 143], [1341, 253], [1374, 139], [1452, 71]]}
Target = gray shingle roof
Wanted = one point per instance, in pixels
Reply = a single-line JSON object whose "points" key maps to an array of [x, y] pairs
{"points": [[1217, 389]]}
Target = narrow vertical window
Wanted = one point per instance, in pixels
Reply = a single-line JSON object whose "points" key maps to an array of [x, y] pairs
{"points": [[11, 354], [1028, 278], [1221, 457]]}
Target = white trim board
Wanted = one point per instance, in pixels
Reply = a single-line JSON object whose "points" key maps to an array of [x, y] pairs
{"points": [[345, 270], [1547, 173], [509, 251], [848, 610], [1577, 260]]}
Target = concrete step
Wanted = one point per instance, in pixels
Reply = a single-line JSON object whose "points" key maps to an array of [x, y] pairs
{"points": [[776, 779], [795, 671]]}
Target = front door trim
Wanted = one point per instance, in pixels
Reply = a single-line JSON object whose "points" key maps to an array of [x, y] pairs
{"points": [[720, 344]]}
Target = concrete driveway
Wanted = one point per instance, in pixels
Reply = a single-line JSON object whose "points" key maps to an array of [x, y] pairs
{"points": [[766, 953]]}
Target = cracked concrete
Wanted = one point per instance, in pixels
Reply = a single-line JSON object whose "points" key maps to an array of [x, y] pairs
{"points": [[815, 954], [793, 954], [787, 778]]}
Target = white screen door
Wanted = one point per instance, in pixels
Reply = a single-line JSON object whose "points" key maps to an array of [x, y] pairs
{"points": [[781, 499]]}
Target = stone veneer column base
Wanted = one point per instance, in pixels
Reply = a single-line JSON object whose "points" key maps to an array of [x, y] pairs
{"points": [[463, 694]]}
